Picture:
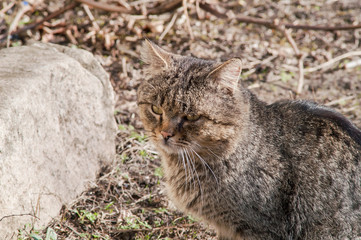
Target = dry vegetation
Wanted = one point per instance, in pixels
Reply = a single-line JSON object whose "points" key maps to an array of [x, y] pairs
{"points": [[127, 201]]}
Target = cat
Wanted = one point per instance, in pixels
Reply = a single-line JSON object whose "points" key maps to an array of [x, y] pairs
{"points": [[287, 170]]}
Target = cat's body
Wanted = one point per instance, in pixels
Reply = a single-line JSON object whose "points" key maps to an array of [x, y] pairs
{"points": [[289, 170]]}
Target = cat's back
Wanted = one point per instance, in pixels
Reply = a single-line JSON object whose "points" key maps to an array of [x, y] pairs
{"points": [[308, 122]]}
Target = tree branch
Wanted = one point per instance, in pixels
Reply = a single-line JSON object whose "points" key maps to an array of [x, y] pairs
{"points": [[271, 23]]}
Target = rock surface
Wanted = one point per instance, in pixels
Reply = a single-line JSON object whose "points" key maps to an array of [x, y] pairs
{"points": [[56, 130]]}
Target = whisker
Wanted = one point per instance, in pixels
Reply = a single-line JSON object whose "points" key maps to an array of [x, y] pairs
{"points": [[190, 167], [195, 170], [184, 166], [214, 175], [208, 150], [205, 167]]}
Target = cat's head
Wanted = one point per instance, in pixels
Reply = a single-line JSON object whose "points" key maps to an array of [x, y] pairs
{"points": [[190, 104]]}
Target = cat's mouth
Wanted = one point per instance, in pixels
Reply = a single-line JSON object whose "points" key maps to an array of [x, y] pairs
{"points": [[170, 145]]}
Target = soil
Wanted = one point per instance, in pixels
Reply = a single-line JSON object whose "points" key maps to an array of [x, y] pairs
{"points": [[127, 200]]}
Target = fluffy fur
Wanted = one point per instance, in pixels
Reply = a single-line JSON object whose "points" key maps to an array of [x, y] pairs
{"points": [[288, 170]]}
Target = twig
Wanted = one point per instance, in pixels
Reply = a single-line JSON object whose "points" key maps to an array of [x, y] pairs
{"points": [[72, 229], [168, 27], [91, 17], [6, 8], [200, 13], [332, 61], [18, 215], [209, 8], [138, 2], [350, 109], [185, 9], [353, 64], [25, 7], [124, 67], [287, 33], [106, 7], [257, 85], [322, 28], [271, 23], [166, 6], [162, 8], [299, 55], [337, 101], [155, 229], [71, 37], [301, 74], [125, 4], [252, 68]]}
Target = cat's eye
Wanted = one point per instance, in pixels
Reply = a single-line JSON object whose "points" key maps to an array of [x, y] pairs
{"points": [[192, 117], [157, 110]]}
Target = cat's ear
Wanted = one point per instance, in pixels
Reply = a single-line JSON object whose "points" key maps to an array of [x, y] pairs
{"points": [[156, 57], [227, 74]]}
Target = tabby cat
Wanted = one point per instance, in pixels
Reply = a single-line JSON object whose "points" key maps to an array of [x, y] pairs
{"points": [[288, 170]]}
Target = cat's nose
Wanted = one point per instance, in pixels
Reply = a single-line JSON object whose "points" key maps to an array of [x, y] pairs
{"points": [[166, 135]]}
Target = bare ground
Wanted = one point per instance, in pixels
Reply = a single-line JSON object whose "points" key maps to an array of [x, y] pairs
{"points": [[127, 200]]}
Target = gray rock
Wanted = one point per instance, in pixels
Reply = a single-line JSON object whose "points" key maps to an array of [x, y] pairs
{"points": [[56, 130]]}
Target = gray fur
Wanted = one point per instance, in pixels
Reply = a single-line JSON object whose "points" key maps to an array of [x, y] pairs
{"points": [[288, 170]]}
